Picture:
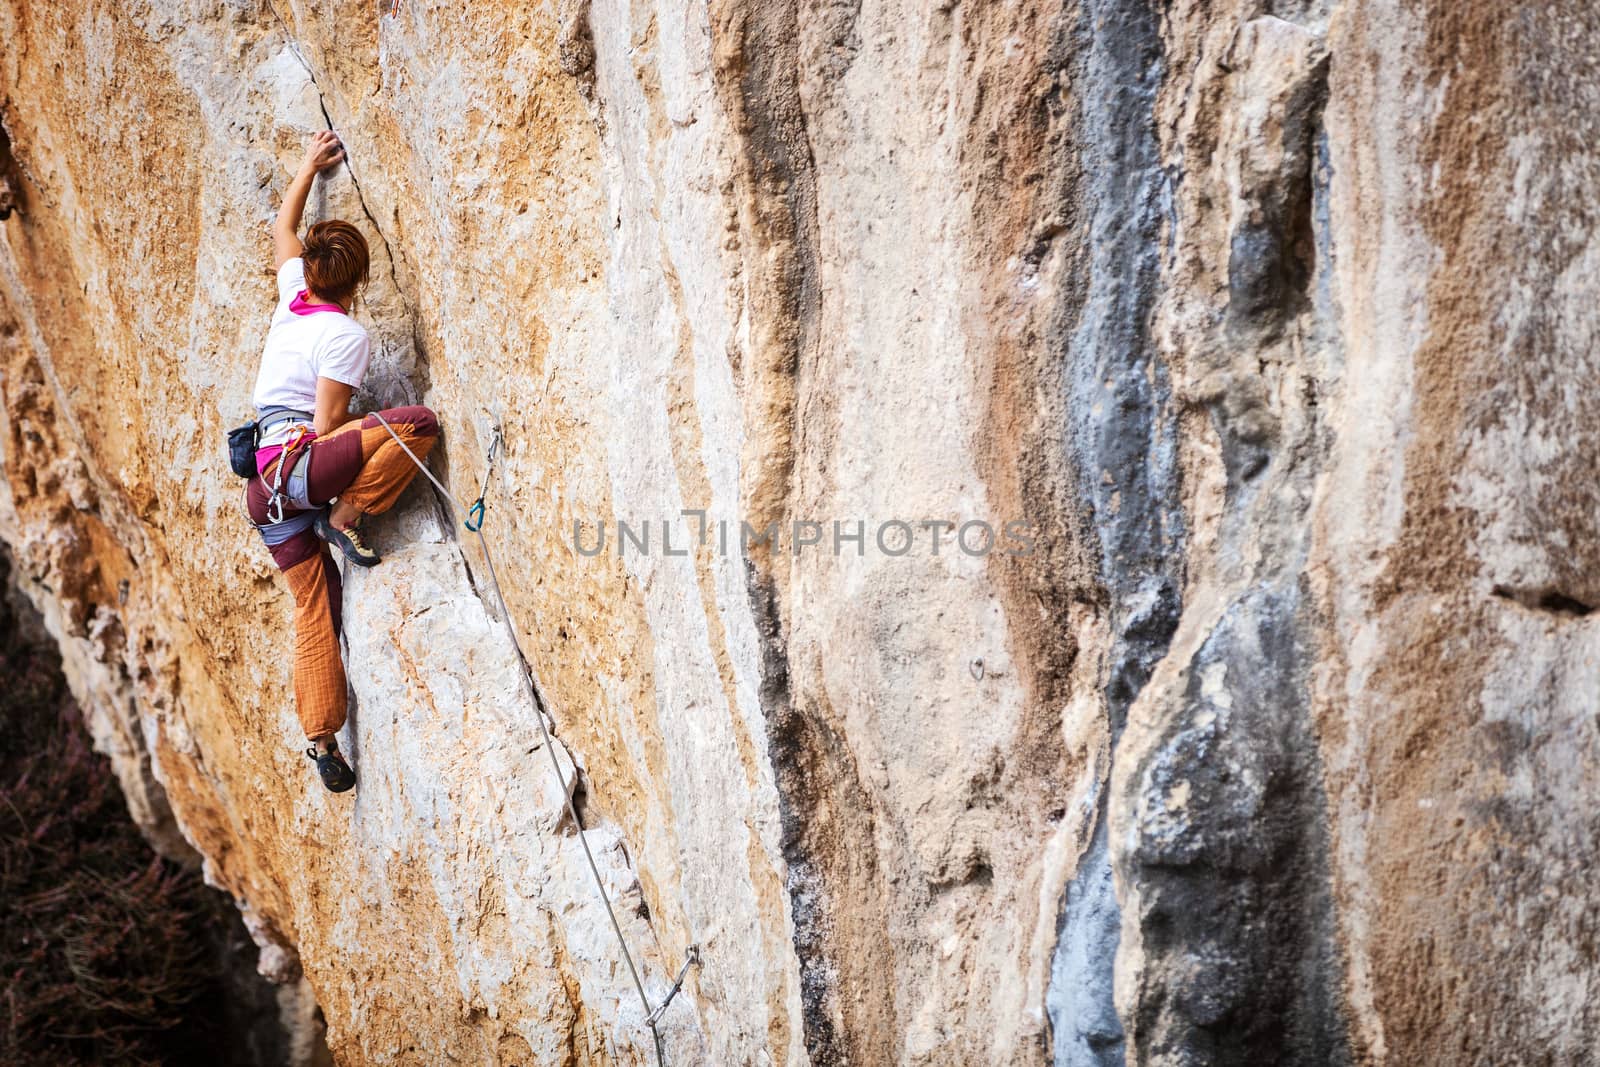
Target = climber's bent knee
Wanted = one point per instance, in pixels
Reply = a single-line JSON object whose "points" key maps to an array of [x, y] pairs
{"points": [[415, 420], [425, 422]]}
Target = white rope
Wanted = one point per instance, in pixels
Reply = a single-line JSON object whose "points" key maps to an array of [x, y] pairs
{"points": [[541, 710]]}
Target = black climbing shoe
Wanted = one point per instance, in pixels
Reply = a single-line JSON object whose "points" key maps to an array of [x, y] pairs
{"points": [[336, 773], [347, 541]]}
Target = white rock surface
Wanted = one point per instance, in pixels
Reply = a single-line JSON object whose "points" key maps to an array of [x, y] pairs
{"points": [[1268, 328]]}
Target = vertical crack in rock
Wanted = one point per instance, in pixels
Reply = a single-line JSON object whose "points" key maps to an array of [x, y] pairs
{"points": [[1083, 1016], [322, 106], [391, 386], [1271, 253], [1123, 438], [11, 197]]}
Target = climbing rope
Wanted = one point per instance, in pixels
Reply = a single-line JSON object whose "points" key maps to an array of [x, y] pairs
{"points": [[472, 519]]}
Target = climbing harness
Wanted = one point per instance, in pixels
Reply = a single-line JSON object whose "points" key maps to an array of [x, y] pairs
{"points": [[472, 519], [243, 441], [271, 416], [291, 480]]}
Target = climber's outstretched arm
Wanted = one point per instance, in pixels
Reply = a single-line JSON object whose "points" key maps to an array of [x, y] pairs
{"points": [[323, 152]]}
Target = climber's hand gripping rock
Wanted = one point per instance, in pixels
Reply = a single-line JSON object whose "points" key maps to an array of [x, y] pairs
{"points": [[323, 152]]}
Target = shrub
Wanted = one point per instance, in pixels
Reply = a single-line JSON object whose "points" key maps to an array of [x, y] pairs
{"points": [[106, 950]]}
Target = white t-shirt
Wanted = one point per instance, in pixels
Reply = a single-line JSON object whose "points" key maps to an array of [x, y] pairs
{"points": [[304, 346]]}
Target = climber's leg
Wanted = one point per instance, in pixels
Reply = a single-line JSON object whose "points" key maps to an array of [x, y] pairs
{"points": [[319, 682], [361, 465]]}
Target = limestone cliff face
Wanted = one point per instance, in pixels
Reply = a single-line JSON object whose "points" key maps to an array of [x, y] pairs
{"points": [[1269, 325]]}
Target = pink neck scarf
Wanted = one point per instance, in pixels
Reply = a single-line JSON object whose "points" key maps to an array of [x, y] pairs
{"points": [[299, 306]]}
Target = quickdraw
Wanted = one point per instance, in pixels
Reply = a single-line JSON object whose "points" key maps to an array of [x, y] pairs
{"points": [[475, 514]]}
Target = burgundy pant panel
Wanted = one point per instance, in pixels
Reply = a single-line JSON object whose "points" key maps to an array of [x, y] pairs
{"points": [[299, 548], [334, 464], [335, 591]]}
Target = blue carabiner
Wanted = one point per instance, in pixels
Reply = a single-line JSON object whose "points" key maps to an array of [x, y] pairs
{"points": [[475, 516]]}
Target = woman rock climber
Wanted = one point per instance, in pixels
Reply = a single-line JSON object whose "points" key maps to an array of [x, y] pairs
{"points": [[320, 472]]}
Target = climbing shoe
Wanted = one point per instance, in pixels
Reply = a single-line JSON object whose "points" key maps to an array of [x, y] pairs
{"points": [[336, 773], [347, 541]]}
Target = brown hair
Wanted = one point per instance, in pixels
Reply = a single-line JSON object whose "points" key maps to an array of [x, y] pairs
{"points": [[336, 260]]}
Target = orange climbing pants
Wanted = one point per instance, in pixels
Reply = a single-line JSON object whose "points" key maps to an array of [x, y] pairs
{"points": [[361, 465]]}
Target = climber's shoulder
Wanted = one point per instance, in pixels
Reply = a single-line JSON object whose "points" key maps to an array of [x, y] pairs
{"points": [[342, 351], [344, 326], [340, 338]]}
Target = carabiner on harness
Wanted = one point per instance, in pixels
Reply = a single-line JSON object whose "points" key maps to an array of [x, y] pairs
{"points": [[287, 461]]}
